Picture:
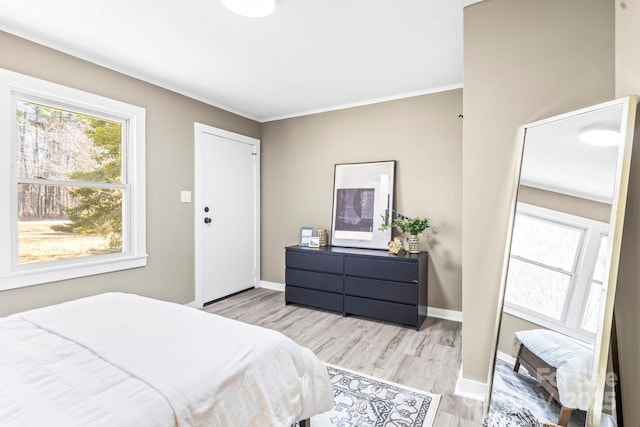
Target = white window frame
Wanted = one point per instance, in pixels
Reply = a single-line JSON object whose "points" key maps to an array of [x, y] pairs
{"points": [[571, 321], [15, 85]]}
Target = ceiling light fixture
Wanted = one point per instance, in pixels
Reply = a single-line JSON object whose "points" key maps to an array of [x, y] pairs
{"points": [[250, 8], [601, 136]]}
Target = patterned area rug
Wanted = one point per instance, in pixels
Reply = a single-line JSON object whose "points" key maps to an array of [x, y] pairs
{"points": [[363, 401], [512, 391]]}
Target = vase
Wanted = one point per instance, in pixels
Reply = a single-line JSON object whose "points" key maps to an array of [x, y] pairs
{"points": [[414, 244], [323, 237]]}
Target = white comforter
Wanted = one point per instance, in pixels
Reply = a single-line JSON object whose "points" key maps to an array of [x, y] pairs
{"points": [[47, 380], [211, 370], [573, 362]]}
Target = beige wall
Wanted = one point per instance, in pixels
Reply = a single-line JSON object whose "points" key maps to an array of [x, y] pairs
{"points": [[170, 118], [564, 203], [423, 133], [627, 72], [509, 326], [524, 60]]}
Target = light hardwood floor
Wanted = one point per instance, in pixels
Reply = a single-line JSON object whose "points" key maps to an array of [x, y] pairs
{"points": [[428, 359]]}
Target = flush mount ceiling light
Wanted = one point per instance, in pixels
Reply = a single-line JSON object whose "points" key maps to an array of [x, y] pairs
{"points": [[250, 8], [601, 136]]}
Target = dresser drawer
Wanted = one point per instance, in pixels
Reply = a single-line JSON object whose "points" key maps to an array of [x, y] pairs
{"points": [[383, 269], [383, 290], [310, 297], [314, 280], [314, 261], [389, 311]]}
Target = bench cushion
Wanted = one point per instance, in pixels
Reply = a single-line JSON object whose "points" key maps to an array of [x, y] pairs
{"points": [[572, 360]]}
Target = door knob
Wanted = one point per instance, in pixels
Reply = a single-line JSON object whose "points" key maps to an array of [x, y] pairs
{"points": [[207, 220]]}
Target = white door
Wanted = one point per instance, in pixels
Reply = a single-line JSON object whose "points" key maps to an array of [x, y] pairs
{"points": [[227, 209]]}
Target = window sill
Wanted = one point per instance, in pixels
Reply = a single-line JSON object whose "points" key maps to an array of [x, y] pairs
{"points": [[546, 323], [69, 270]]}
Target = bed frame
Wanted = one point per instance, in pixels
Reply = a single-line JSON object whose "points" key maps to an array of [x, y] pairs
{"points": [[545, 374]]}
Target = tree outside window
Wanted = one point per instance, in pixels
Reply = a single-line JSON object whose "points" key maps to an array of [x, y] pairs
{"points": [[70, 186]]}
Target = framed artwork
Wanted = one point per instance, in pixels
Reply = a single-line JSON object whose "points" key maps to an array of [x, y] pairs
{"points": [[314, 242], [363, 196], [305, 235]]}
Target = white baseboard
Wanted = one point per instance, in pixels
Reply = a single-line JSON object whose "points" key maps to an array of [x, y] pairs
{"points": [[470, 389], [274, 286], [506, 358], [439, 313]]}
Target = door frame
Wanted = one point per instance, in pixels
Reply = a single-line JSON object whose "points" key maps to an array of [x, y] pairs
{"points": [[199, 131]]}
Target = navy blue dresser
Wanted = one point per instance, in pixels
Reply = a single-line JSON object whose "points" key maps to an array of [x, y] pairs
{"points": [[362, 282]]}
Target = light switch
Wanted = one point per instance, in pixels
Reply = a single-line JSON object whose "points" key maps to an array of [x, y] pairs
{"points": [[185, 196]]}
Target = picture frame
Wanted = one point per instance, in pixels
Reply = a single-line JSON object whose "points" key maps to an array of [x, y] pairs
{"points": [[305, 234], [314, 242], [363, 200]]}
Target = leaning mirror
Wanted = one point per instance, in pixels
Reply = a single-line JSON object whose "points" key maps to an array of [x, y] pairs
{"points": [[556, 301]]}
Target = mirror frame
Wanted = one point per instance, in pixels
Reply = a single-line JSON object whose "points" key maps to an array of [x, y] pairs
{"points": [[618, 207]]}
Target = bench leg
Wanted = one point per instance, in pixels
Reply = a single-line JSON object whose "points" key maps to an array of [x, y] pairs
{"points": [[516, 366], [565, 416], [305, 423]]}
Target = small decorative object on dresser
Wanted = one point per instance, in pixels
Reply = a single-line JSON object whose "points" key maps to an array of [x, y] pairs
{"points": [[395, 246], [414, 244], [314, 242], [323, 236], [413, 226], [305, 234]]}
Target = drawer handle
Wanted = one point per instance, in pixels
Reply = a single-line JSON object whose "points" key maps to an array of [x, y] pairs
{"points": [[415, 281]]}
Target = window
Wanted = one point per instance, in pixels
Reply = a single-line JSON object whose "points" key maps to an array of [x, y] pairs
{"points": [[72, 177], [556, 270], [596, 289]]}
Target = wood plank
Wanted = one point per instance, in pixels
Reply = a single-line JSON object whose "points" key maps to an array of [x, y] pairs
{"points": [[428, 359]]}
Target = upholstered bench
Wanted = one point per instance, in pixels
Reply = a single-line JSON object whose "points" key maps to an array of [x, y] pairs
{"points": [[560, 364]]}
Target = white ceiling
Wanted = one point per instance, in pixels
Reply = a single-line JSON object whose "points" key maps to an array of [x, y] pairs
{"points": [[556, 160], [308, 56]]}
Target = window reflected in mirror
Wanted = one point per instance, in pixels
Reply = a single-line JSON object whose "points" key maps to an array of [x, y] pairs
{"points": [[554, 279]]}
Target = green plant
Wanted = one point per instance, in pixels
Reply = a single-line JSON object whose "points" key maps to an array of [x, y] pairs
{"points": [[404, 223]]}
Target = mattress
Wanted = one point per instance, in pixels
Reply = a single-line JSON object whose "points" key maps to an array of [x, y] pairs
{"points": [[120, 359]]}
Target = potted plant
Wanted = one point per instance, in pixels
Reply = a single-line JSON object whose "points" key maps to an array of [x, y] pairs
{"points": [[413, 226]]}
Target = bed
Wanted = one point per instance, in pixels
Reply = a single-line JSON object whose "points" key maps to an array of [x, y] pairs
{"points": [[561, 365], [125, 360]]}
